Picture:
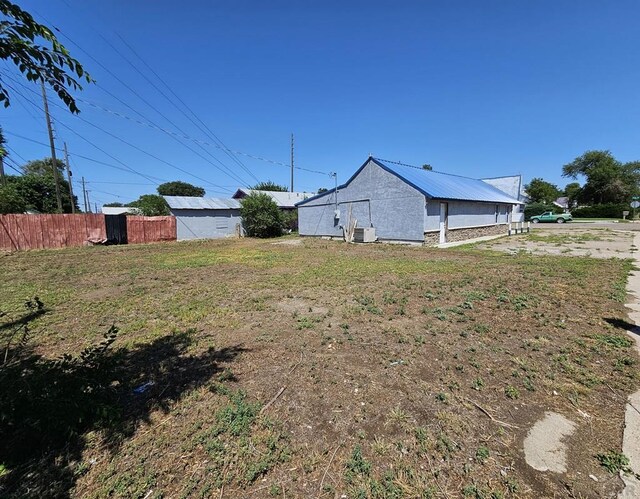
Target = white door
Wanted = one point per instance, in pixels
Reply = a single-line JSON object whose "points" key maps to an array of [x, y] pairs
{"points": [[444, 220]]}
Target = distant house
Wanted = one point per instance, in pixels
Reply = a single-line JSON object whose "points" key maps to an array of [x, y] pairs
{"points": [[284, 200], [562, 202], [205, 218], [405, 203]]}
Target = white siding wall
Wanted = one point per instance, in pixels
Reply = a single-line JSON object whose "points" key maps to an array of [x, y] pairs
{"points": [[376, 198], [432, 215], [206, 224]]}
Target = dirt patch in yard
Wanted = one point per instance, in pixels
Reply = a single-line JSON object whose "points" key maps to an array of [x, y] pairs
{"points": [[385, 371], [568, 241]]}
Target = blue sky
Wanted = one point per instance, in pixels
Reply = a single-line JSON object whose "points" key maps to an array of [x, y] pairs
{"points": [[474, 88]]}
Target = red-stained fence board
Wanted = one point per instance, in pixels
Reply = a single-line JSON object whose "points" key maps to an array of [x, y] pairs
{"points": [[21, 232]]}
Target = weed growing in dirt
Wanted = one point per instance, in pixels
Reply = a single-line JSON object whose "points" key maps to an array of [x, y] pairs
{"points": [[512, 392], [398, 416], [477, 384], [442, 397], [482, 454], [369, 304], [613, 461], [307, 322], [240, 436], [613, 340], [357, 465]]}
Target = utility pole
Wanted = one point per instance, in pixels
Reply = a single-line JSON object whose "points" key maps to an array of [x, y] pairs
{"points": [[291, 162], [66, 161], [54, 165], [88, 202], [335, 192], [84, 196], [3, 153]]}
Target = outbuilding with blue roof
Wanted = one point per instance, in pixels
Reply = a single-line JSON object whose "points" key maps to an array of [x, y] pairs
{"points": [[406, 203]]}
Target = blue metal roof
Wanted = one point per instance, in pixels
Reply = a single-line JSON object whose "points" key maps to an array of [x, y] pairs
{"points": [[198, 203], [446, 186], [436, 184]]}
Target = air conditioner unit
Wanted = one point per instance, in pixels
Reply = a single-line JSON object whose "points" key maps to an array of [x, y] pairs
{"points": [[364, 235]]}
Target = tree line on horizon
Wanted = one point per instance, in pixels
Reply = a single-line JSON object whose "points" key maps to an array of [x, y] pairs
{"points": [[607, 181]]}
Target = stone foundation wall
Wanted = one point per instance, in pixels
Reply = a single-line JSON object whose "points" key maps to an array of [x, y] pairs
{"points": [[431, 238], [473, 232], [454, 235]]}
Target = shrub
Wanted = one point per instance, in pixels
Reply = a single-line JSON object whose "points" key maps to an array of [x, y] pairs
{"points": [[261, 216], [46, 401], [601, 211], [290, 220]]}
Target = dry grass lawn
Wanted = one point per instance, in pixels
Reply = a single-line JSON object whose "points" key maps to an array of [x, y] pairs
{"points": [[407, 372]]}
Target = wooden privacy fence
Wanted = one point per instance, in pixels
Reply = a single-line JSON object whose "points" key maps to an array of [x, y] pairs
{"points": [[22, 232], [150, 229]]}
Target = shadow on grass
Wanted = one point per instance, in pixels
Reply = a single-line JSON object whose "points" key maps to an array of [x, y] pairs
{"points": [[48, 406], [622, 324], [24, 320]]}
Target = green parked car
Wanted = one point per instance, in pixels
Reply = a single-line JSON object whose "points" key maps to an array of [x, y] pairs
{"points": [[549, 216]]}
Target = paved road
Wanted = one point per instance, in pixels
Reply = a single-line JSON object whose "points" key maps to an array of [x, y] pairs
{"points": [[584, 225]]}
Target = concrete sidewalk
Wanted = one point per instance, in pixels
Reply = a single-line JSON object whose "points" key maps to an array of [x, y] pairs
{"points": [[631, 436]]}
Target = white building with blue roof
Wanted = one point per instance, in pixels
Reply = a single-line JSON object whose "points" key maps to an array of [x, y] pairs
{"points": [[205, 218], [406, 203]]}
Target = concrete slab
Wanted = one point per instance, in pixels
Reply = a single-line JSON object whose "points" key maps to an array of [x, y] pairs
{"points": [[545, 448], [569, 241], [469, 241]]}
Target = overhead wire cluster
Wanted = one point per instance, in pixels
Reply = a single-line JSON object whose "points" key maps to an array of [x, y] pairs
{"points": [[237, 172]]}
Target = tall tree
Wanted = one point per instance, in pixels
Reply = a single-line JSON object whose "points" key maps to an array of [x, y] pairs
{"points": [[37, 193], [43, 167], [178, 188], [541, 191], [607, 180], [269, 186], [572, 192], [10, 199], [20, 42], [151, 205], [35, 189]]}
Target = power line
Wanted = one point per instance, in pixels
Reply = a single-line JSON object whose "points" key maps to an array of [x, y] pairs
{"points": [[27, 110], [229, 172], [100, 191], [14, 152], [7, 158], [150, 125], [131, 145], [128, 87], [185, 106], [170, 101], [220, 145], [168, 98], [116, 183], [126, 168]]}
